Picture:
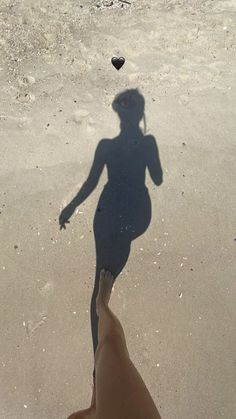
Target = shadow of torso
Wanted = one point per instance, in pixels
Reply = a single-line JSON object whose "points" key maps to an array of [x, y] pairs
{"points": [[124, 209]]}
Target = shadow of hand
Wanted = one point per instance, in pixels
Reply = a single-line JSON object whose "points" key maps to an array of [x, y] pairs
{"points": [[65, 215]]}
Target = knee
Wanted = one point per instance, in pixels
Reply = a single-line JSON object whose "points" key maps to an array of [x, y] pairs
{"points": [[113, 342], [75, 416]]}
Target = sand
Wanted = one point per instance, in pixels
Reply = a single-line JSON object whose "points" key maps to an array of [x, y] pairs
{"points": [[176, 294]]}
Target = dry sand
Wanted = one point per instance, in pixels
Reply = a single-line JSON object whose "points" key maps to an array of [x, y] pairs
{"points": [[176, 294]]}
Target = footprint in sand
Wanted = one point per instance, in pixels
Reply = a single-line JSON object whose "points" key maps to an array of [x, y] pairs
{"points": [[38, 320], [47, 289]]}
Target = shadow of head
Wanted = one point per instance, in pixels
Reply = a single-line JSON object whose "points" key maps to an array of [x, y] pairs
{"points": [[129, 105]]}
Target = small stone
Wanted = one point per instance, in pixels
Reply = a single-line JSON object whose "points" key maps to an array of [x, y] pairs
{"points": [[30, 79], [180, 295]]}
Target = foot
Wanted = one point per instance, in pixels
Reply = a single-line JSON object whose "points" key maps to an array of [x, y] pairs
{"points": [[105, 287]]}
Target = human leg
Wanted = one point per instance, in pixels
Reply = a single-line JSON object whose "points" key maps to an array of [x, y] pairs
{"points": [[120, 390]]}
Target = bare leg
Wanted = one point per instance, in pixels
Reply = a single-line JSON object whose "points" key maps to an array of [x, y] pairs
{"points": [[120, 390]]}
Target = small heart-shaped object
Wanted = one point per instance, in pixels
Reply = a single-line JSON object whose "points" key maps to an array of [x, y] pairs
{"points": [[118, 62]]}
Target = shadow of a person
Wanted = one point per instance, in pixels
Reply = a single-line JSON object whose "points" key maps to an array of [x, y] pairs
{"points": [[124, 209]]}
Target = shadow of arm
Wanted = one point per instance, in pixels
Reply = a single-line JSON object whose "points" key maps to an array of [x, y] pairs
{"points": [[93, 177], [88, 186], [153, 162]]}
